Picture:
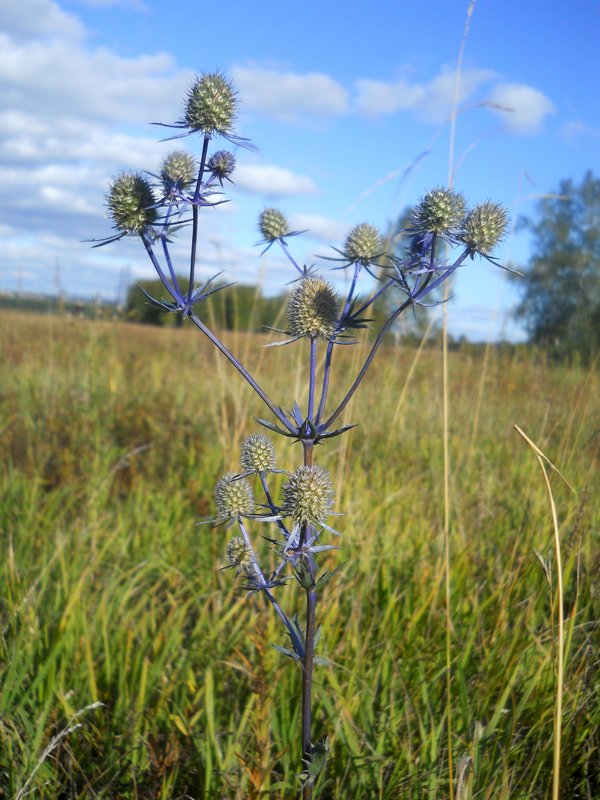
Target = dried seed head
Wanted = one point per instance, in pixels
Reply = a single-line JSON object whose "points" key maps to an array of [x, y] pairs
{"points": [[211, 105], [313, 309], [273, 224], [484, 227], [238, 554], [308, 495], [178, 168], [440, 211], [363, 244], [221, 164], [233, 498], [258, 454], [131, 203]]}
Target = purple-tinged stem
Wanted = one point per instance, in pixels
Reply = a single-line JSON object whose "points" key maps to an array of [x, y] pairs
{"points": [[243, 372], [194, 244], [312, 376], [309, 652], [284, 247], [329, 353], [158, 268]]}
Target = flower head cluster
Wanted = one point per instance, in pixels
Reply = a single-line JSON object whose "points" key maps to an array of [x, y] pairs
{"points": [[273, 224], [233, 498], [211, 105], [313, 309], [363, 244], [238, 554], [221, 164], [131, 203], [440, 211], [178, 170], [258, 454], [484, 227], [308, 495]]}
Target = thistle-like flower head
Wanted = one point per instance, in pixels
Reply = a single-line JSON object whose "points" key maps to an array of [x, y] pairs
{"points": [[363, 244], [258, 454], [308, 495], [233, 498], [484, 227], [273, 224], [211, 105], [178, 170], [313, 309], [440, 211], [221, 164], [131, 202], [238, 554]]}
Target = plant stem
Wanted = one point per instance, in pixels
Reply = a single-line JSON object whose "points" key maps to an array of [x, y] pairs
{"points": [[309, 652]]}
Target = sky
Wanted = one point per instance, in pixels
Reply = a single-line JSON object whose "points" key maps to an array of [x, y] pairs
{"points": [[347, 103]]}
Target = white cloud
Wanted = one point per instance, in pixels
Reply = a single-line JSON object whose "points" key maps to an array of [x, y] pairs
{"points": [[288, 96], [272, 181], [575, 129], [29, 19], [323, 229], [523, 109], [431, 100]]}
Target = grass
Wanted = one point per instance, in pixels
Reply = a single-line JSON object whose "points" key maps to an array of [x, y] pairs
{"points": [[111, 439]]}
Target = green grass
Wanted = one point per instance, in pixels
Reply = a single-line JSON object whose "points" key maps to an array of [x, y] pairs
{"points": [[111, 439]]}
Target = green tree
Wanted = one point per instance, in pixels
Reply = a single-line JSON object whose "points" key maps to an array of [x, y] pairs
{"points": [[561, 288]]}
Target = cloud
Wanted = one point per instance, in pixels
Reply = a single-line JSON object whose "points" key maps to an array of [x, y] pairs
{"points": [[288, 96], [523, 108], [272, 181], [31, 19], [323, 229], [575, 129], [432, 101]]}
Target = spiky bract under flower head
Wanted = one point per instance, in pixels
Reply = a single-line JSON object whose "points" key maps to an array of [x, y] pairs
{"points": [[238, 554], [273, 224], [308, 495], [233, 498], [440, 211], [211, 105], [363, 243], [221, 163], [313, 309], [484, 227], [178, 169], [258, 453], [131, 203]]}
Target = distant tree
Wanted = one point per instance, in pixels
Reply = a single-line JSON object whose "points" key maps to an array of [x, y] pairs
{"points": [[561, 289]]}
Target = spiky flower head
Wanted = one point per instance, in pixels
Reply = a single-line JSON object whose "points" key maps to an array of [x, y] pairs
{"points": [[273, 224], [233, 498], [363, 244], [313, 309], [484, 227], [440, 211], [238, 554], [178, 168], [258, 453], [130, 202], [308, 495], [211, 105], [221, 164]]}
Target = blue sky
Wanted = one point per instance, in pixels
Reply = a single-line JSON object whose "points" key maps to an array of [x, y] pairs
{"points": [[347, 102]]}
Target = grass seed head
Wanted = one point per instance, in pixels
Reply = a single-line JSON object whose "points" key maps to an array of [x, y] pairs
{"points": [[308, 495], [313, 309]]}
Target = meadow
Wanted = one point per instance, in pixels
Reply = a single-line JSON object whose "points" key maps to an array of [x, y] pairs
{"points": [[132, 666]]}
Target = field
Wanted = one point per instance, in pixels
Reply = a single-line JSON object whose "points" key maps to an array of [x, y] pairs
{"points": [[133, 667]]}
